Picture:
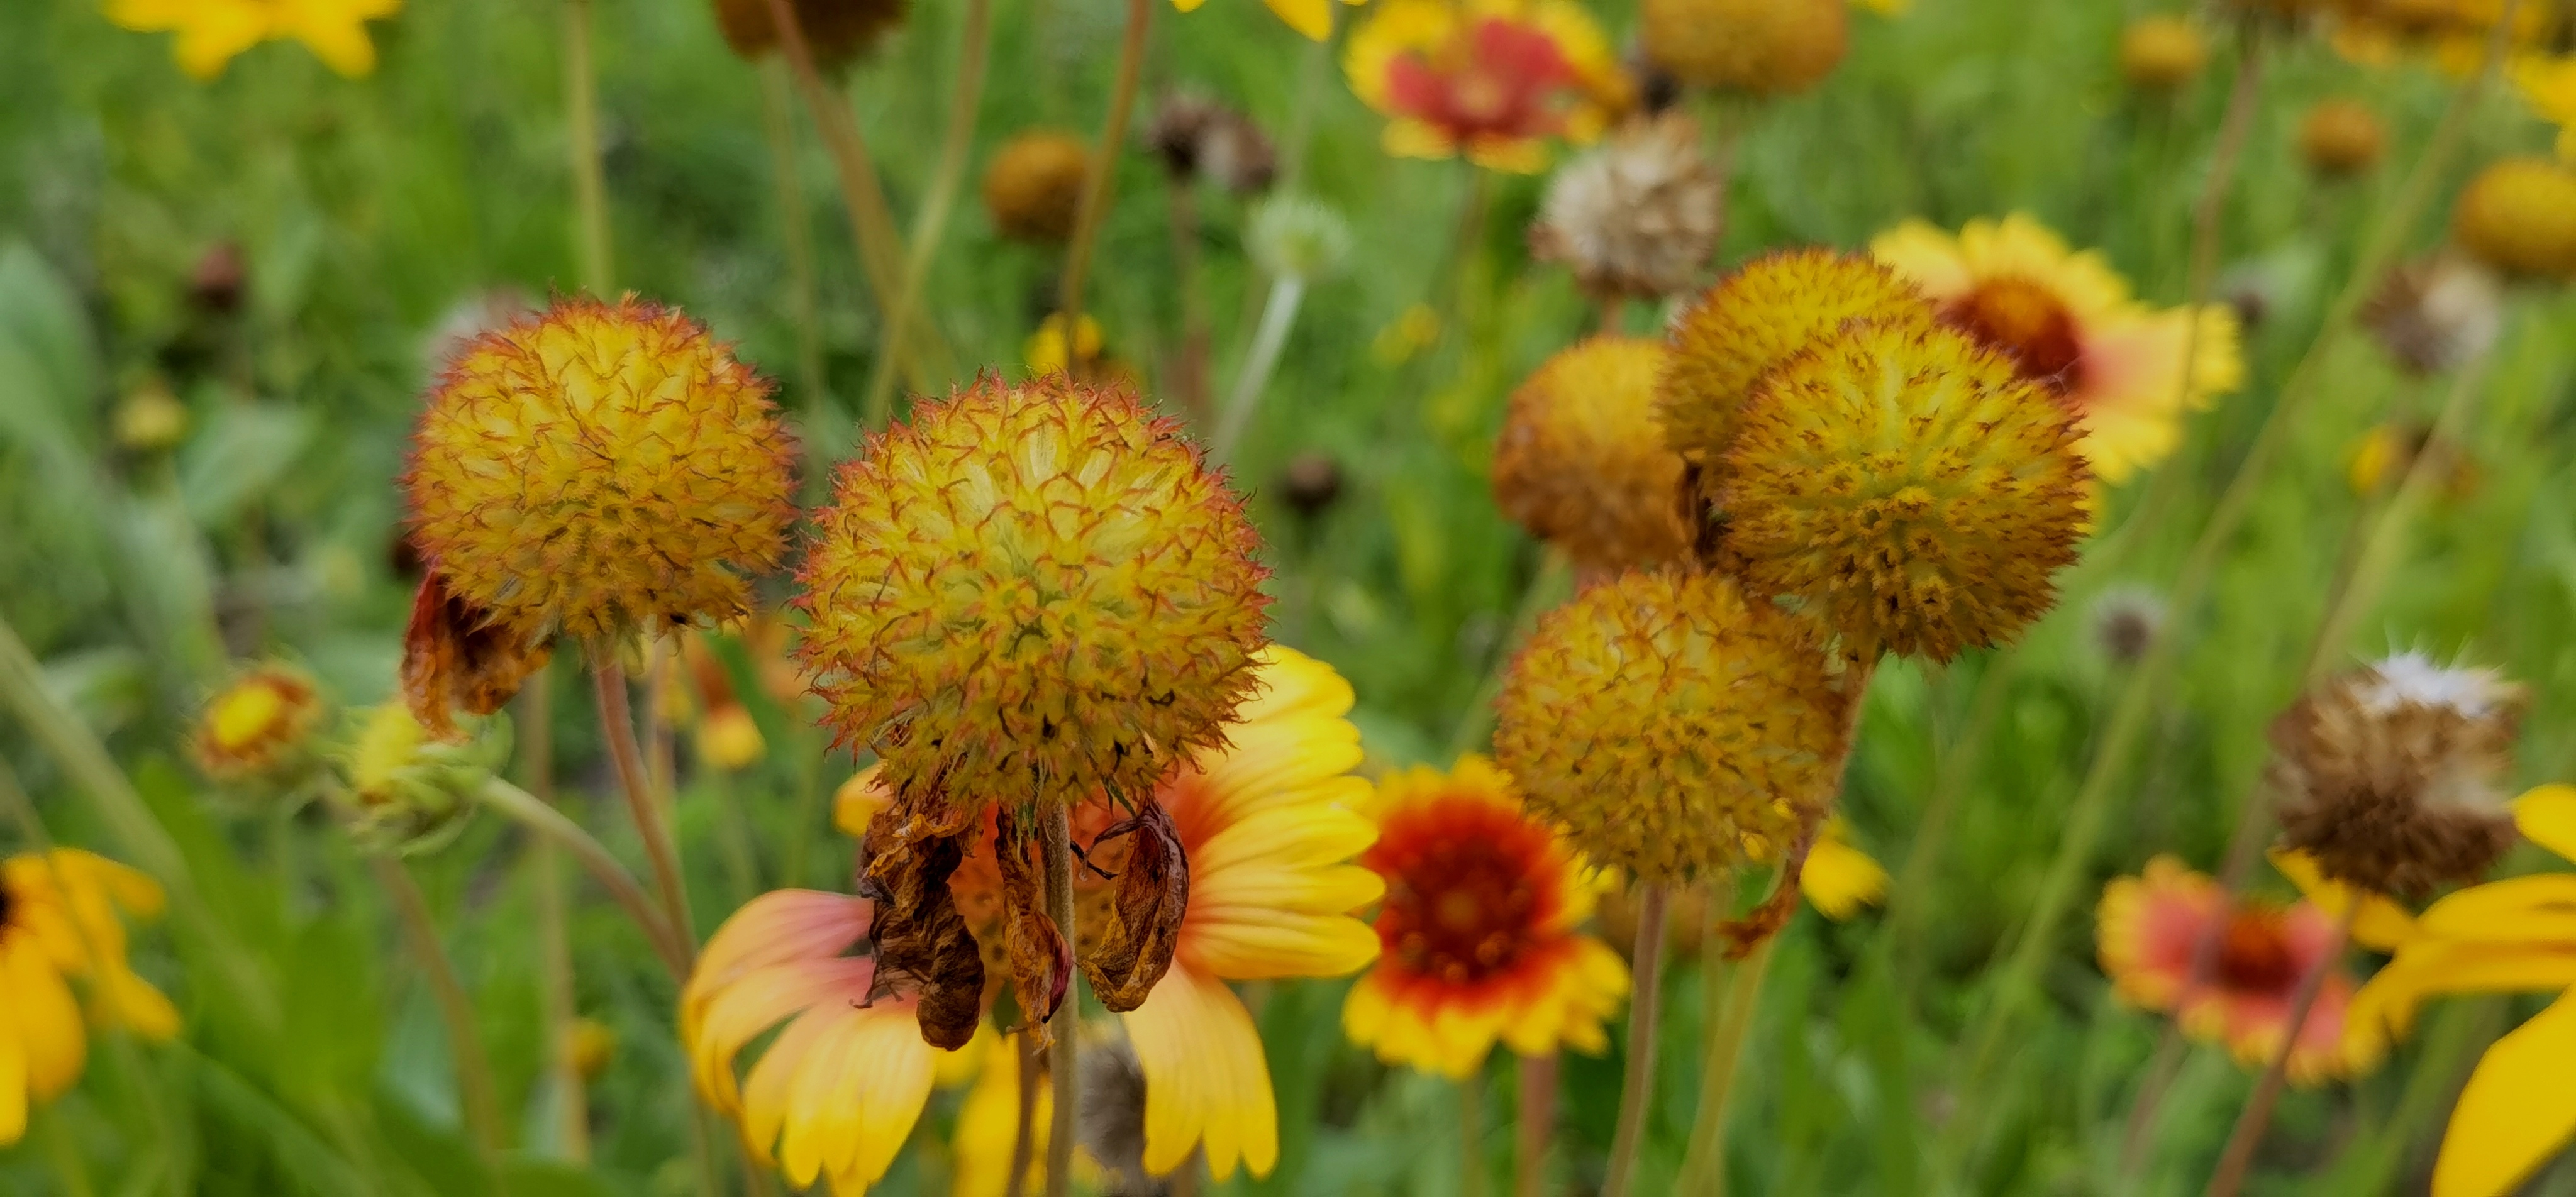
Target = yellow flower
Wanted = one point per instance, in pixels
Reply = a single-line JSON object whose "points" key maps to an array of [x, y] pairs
{"points": [[59, 923], [2549, 86], [211, 32], [2162, 52], [1480, 931], [595, 469], [257, 723], [1033, 186], [2519, 216], [2510, 936], [1907, 488], [1268, 824], [2068, 322], [1581, 464], [1669, 726], [988, 1122], [1840, 878], [1492, 79], [1030, 593], [2341, 137], [1760, 47], [1044, 352], [1314, 18]]}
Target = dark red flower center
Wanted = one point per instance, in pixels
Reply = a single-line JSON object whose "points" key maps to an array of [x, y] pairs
{"points": [[2019, 317], [1468, 886], [1502, 80], [2254, 952]]}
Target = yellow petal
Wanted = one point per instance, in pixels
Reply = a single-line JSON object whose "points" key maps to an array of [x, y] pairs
{"points": [[2539, 909], [13, 1085], [1188, 5], [2547, 817], [1285, 945], [1205, 1077], [1314, 18], [2518, 1110], [48, 1021], [2381, 925], [1840, 879], [2427, 968]]}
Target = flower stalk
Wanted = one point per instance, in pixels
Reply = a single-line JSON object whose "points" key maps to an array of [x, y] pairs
{"points": [[608, 682], [551, 826], [1645, 1009], [1096, 189], [2257, 1113], [965, 100], [475, 1094], [1055, 833]]}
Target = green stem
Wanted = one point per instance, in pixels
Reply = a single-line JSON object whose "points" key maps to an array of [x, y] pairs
{"points": [[608, 682], [796, 236], [581, 119], [1472, 1181], [552, 826], [1278, 315], [1704, 1167], [553, 919], [1096, 188], [965, 102], [1536, 1117], [1056, 847], [474, 1089], [1645, 1004], [1910, 897]]}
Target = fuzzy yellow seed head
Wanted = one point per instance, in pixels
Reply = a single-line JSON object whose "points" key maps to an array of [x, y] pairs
{"points": [[1581, 464], [1760, 47], [1907, 488], [2160, 53], [1670, 726], [257, 723], [1033, 186], [1756, 318], [2341, 137], [2519, 216], [1029, 593], [600, 466]]}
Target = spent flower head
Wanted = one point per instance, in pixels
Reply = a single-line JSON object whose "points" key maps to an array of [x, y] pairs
{"points": [[1637, 217], [1293, 236], [1581, 464], [405, 792]]}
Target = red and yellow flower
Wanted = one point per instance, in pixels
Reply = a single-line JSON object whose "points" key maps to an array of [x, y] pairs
{"points": [[1479, 931], [2069, 322], [2151, 926], [1495, 80]]}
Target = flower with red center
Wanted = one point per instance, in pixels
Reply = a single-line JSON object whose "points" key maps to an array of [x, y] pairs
{"points": [[2152, 925], [2069, 323], [1492, 79], [1478, 931]]}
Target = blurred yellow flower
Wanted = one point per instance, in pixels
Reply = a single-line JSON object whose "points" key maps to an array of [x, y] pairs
{"points": [[1840, 878], [2070, 324], [2549, 86], [2511, 936], [211, 32], [59, 923], [1044, 352], [1314, 18]]}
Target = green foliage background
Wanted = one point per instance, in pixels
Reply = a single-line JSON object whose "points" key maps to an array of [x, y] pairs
{"points": [[367, 210]]}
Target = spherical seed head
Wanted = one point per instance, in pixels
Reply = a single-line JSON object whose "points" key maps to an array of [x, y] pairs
{"points": [[1581, 464], [2160, 53], [1033, 186], [1669, 725], [1756, 318], [1908, 488], [1762, 47], [836, 30], [2341, 137], [2519, 216], [1032, 592], [258, 724], [597, 467], [1637, 217], [2389, 774]]}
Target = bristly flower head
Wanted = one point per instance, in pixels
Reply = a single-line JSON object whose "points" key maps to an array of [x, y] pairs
{"points": [[1759, 47], [1494, 80], [2341, 137], [1756, 318], [1033, 185], [598, 468], [1907, 488], [1637, 217], [2519, 216], [258, 724], [2388, 774], [1580, 462], [1670, 726], [2162, 52], [1029, 593]]}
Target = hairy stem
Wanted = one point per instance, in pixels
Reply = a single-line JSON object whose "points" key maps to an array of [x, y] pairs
{"points": [[796, 236], [1636, 1091], [608, 682], [552, 826], [554, 934]]}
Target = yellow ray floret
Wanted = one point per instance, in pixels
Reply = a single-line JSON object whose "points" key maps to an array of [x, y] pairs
{"points": [[212, 32]]}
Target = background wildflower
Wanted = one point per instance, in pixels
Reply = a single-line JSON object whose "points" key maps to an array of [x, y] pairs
{"points": [[1581, 464]]}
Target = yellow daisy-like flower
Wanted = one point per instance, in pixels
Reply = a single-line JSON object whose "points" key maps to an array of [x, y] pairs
{"points": [[1314, 18], [1268, 824], [2068, 323], [59, 923], [1840, 878], [257, 723], [1906, 487], [2511, 936], [1480, 930], [1494, 80], [1031, 593], [2549, 86], [212, 32], [1669, 726], [1581, 464], [587, 472]]}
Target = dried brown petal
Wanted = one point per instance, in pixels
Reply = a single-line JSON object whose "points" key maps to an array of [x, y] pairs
{"points": [[911, 848], [1041, 961], [1153, 893], [455, 656]]}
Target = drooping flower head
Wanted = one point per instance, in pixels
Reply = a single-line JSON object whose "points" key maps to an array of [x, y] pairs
{"points": [[1669, 726], [1754, 319], [1495, 80], [836, 30], [585, 472], [1033, 185], [60, 925], [258, 724], [1031, 594], [1907, 488], [1480, 930], [1637, 217], [2067, 321], [1581, 464], [2151, 926], [1758, 47], [2388, 774], [212, 32], [2519, 217]]}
